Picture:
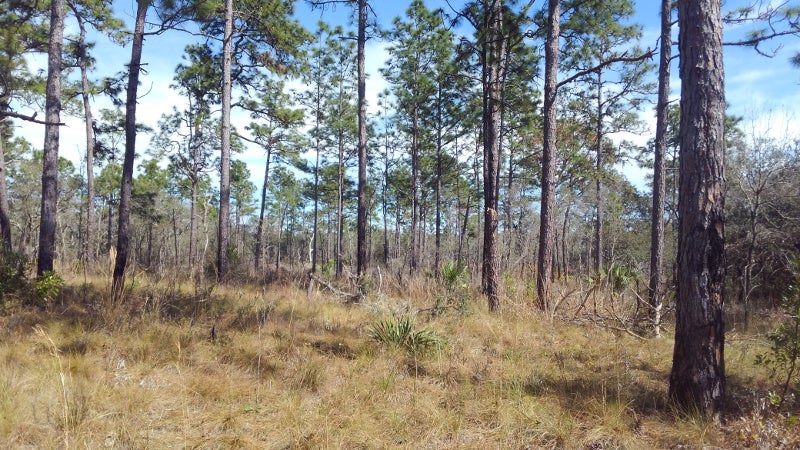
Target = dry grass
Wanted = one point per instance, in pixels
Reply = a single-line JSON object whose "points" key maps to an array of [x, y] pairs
{"points": [[284, 370]]}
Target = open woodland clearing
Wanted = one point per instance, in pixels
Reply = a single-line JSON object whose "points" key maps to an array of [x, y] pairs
{"points": [[287, 370], [463, 263]]}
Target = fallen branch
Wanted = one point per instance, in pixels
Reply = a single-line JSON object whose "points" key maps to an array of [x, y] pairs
{"points": [[349, 296]]}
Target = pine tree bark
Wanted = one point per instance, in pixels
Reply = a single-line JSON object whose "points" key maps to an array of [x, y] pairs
{"points": [[547, 220], [697, 379], [47, 227], [83, 62], [655, 293], [224, 228], [123, 220], [361, 239], [493, 78]]}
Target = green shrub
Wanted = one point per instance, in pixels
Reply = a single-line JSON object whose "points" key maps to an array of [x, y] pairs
{"points": [[456, 294], [784, 352], [12, 274], [619, 277], [399, 332], [48, 286]]}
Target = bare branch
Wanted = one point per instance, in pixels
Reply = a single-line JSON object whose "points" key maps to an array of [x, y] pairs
{"points": [[26, 118], [646, 55]]}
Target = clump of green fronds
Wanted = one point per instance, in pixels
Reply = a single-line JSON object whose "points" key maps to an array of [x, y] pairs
{"points": [[399, 332], [454, 274], [619, 277], [456, 294]]}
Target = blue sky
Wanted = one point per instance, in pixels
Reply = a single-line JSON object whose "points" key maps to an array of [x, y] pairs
{"points": [[756, 87]]}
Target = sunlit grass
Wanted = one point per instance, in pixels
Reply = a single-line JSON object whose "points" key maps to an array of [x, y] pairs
{"points": [[239, 366]]}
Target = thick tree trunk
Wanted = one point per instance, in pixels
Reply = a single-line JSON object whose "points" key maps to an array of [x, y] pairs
{"points": [[655, 292], [547, 220], [698, 370], [224, 229], [47, 227], [130, 151], [493, 78], [361, 239]]}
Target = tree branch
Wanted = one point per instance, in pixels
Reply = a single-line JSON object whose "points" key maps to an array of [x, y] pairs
{"points": [[646, 55], [32, 118]]}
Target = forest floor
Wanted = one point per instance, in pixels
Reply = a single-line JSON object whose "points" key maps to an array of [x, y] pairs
{"points": [[243, 366]]}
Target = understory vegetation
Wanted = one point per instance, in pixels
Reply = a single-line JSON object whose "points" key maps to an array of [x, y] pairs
{"points": [[255, 365]]}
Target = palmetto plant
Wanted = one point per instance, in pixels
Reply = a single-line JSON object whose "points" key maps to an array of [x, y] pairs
{"points": [[399, 332]]}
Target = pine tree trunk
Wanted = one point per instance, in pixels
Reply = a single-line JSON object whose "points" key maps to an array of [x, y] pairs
{"points": [[259, 250], [598, 206], [655, 293], [361, 239], [697, 379], [492, 114], [193, 227], [47, 227], [414, 244], [5, 221], [547, 224], [340, 212], [224, 229], [89, 240], [130, 151]]}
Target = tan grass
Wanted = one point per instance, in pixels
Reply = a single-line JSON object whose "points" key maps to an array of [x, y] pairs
{"points": [[284, 370]]}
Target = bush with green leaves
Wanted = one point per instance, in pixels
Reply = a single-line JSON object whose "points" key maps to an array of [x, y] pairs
{"points": [[399, 332], [48, 287], [784, 352], [13, 267]]}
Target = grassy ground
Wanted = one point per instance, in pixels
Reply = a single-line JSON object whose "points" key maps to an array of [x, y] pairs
{"points": [[283, 369]]}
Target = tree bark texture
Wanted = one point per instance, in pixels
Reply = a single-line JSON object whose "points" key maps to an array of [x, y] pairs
{"points": [[361, 239], [698, 370], [224, 228], [47, 227], [655, 293], [547, 223], [493, 78], [123, 220]]}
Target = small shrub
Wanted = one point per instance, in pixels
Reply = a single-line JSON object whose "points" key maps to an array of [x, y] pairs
{"points": [[456, 293], [12, 274], [784, 352], [48, 287], [619, 277], [400, 333]]}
